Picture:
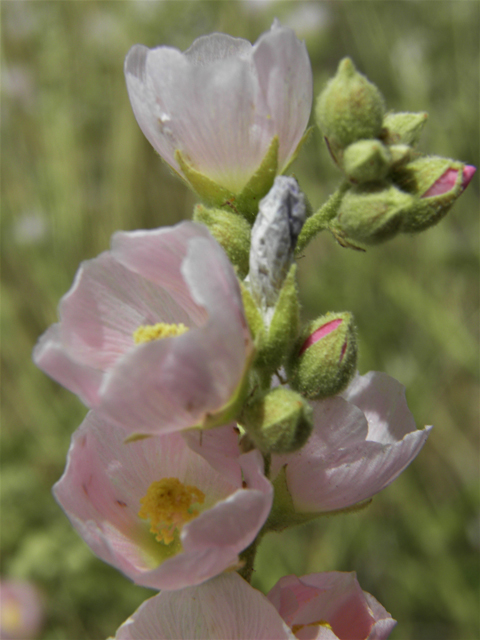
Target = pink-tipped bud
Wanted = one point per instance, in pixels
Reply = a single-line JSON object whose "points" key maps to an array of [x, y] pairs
{"points": [[448, 180], [436, 183], [325, 356]]}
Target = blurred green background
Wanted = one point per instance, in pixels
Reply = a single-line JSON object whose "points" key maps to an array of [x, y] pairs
{"points": [[76, 167]]}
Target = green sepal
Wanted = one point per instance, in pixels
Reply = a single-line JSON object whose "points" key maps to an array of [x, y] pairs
{"points": [[284, 326], [277, 421], [253, 315], [366, 161], [294, 156], [283, 513], [230, 411], [259, 184], [231, 231], [403, 128], [208, 190]]}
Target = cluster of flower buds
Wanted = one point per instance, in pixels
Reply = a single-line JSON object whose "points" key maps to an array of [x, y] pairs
{"points": [[215, 417], [392, 187]]}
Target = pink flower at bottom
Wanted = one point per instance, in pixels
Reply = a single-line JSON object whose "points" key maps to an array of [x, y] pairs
{"points": [[330, 606], [323, 606], [158, 511]]}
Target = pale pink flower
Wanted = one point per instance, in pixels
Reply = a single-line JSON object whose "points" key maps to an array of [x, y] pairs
{"points": [[323, 606], [106, 479], [221, 102], [224, 608], [170, 275], [330, 606], [361, 441], [447, 181], [21, 610]]}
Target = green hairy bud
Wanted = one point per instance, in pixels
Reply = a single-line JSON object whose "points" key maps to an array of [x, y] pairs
{"points": [[403, 128], [366, 161], [348, 109], [325, 357], [231, 231], [279, 421], [370, 215]]}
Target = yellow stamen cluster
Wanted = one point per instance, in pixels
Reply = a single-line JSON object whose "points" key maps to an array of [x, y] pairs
{"points": [[149, 332], [168, 506], [319, 623]]}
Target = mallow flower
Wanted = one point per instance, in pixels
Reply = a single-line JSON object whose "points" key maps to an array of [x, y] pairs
{"points": [[152, 333], [361, 441], [156, 510], [325, 606], [226, 115]]}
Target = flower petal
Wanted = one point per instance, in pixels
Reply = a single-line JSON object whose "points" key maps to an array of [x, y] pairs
{"points": [[49, 355], [225, 608], [285, 79], [382, 400], [177, 383], [332, 597], [106, 304], [340, 465]]}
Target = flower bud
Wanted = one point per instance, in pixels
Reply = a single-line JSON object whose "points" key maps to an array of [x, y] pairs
{"points": [[437, 183], [372, 214], [366, 161], [325, 358], [403, 128], [280, 421], [400, 154], [348, 109], [274, 237], [231, 231]]}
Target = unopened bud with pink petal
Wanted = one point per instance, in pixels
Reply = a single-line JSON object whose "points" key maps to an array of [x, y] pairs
{"points": [[324, 360], [436, 183]]}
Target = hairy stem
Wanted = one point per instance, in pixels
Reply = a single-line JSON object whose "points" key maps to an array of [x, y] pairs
{"points": [[319, 220]]}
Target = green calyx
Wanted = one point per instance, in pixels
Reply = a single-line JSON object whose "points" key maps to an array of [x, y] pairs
{"points": [[403, 128], [325, 356], [278, 421], [245, 202], [366, 161], [350, 108], [284, 326], [370, 214], [231, 231]]}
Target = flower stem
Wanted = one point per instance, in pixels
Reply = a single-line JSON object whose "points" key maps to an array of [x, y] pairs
{"points": [[248, 558], [319, 220]]}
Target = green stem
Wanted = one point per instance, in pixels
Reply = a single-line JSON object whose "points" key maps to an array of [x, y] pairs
{"points": [[319, 221], [248, 558]]}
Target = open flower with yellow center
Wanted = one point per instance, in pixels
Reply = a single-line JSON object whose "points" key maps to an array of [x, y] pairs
{"points": [[153, 333], [225, 114], [156, 509], [319, 606]]}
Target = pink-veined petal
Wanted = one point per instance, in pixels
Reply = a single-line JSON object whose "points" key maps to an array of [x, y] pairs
{"points": [[49, 354], [224, 608]]}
